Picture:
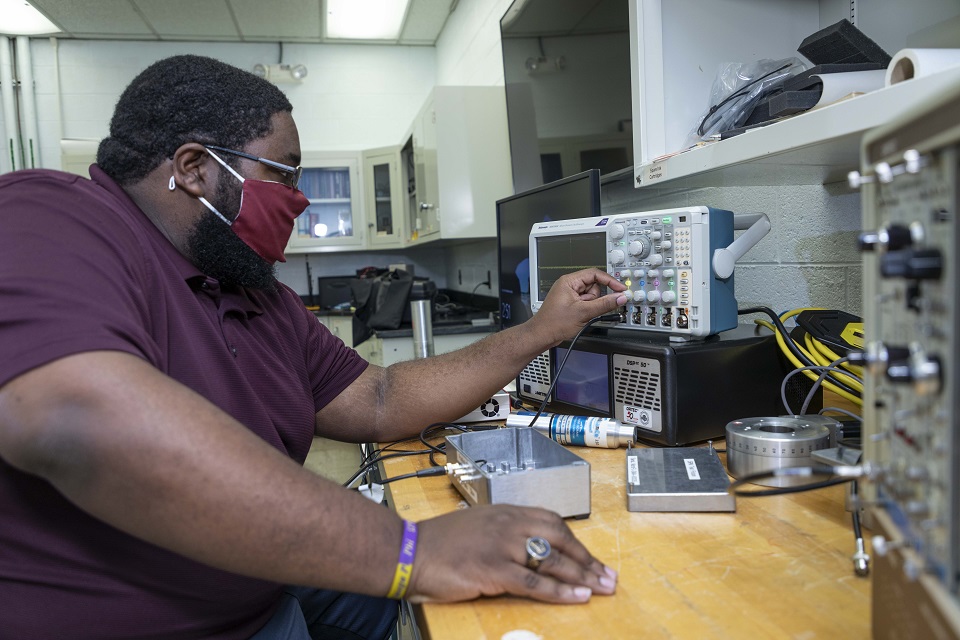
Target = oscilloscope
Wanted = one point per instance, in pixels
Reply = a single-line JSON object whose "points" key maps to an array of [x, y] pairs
{"points": [[677, 264]]}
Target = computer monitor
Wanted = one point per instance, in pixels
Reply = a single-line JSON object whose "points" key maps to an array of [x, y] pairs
{"points": [[577, 196]]}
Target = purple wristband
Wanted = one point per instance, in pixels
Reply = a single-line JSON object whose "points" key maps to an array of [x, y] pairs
{"points": [[408, 550]]}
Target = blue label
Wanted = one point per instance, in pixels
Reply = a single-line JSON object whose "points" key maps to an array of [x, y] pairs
{"points": [[569, 429]]}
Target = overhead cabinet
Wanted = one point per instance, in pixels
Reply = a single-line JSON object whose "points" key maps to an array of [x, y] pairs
{"points": [[456, 165], [441, 182], [674, 65], [383, 194]]}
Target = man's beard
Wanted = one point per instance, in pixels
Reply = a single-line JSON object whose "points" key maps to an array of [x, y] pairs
{"points": [[219, 253]]}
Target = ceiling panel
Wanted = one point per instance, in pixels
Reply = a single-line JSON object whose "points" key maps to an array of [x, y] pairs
{"points": [[278, 19], [223, 20], [96, 18], [425, 20], [210, 19]]}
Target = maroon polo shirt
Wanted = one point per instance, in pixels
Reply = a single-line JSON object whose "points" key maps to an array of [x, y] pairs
{"points": [[82, 269]]}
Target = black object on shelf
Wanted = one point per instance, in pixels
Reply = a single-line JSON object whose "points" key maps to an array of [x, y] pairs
{"points": [[839, 48], [842, 43]]}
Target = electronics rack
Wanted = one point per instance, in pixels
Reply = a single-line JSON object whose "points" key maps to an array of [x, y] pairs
{"points": [[911, 172]]}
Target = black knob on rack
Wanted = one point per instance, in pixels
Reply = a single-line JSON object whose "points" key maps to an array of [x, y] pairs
{"points": [[891, 238], [912, 264]]}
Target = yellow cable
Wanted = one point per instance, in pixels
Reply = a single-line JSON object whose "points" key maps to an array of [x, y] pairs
{"points": [[822, 361], [812, 345], [833, 357], [799, 365]]}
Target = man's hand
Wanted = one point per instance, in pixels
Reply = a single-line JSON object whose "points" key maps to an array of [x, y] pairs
{"points": [[481, 551], [573, 300]]}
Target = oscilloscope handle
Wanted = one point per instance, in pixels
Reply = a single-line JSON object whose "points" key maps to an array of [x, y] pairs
{"points": [[757, 225]]}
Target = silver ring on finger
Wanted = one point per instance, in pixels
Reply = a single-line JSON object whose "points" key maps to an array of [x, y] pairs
{"points": [[538, 550]]}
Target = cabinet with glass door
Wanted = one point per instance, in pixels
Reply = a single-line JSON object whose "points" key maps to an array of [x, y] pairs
{"points": [[333, 219], [384, 197]]}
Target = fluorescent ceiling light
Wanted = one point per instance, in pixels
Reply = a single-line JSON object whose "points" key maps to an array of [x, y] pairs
{"points": [[21, 19], [365, 19]]}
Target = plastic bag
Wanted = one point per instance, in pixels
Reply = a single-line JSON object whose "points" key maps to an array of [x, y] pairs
{"points": [[381, 299], [738, 88]]}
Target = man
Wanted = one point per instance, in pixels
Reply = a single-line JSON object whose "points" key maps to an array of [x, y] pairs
{"points": [[159, 390]]}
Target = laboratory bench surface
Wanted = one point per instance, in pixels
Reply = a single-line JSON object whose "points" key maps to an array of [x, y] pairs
{"points": [[779, 567]]}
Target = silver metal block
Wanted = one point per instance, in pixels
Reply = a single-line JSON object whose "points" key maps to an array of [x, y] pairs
{"points": [[520, 466], [677, 479]]}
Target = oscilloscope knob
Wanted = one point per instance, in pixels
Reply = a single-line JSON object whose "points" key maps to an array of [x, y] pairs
{"points": [[617, 256], [639, 248], [617, 231], [655, 235], [653, 296], [668, 297], [656, 260]]}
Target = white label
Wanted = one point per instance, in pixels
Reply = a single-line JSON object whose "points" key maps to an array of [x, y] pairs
{"points": [[692, 472], [633, 470], [654, 173]]}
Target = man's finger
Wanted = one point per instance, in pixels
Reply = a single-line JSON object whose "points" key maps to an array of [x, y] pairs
{"points": [[520, 581], [592, 575]]}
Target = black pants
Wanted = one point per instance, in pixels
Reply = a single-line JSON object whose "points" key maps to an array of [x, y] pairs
{"points": [[319, 614]]}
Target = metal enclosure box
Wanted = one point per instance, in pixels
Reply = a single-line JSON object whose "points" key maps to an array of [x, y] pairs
{"points": [[520, 466], [679, 479]]}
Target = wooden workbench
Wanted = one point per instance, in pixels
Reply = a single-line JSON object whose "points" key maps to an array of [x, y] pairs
{"points": [[779, 567]]}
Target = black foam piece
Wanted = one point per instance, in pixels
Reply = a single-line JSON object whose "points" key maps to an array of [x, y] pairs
{"points": [[761, 111], [842, 43], [790, 102]]}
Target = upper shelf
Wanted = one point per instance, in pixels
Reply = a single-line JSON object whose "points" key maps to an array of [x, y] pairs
{"points": [[816, 147]]}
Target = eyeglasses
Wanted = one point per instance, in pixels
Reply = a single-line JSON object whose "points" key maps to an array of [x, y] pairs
{"points": [[293, 172]]}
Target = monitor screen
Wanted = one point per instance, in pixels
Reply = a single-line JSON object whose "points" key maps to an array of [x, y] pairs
{"points": [[584, 380], [575, 197]]}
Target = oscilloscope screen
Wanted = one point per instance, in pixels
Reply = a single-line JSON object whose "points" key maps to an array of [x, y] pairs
{"points": [[559, 255]]}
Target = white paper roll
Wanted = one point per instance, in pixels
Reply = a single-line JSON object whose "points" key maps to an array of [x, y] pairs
{"points": [[840, 85], [915, 63]]}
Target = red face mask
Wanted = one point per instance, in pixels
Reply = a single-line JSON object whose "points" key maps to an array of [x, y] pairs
{"points": [[266, 217]]}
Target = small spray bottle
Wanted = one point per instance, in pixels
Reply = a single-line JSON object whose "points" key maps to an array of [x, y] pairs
{"points": [[578, 430]]}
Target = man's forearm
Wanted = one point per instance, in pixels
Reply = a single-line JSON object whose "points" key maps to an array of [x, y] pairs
{"points": [[148, 456], [406, 397], [454, 384]]}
